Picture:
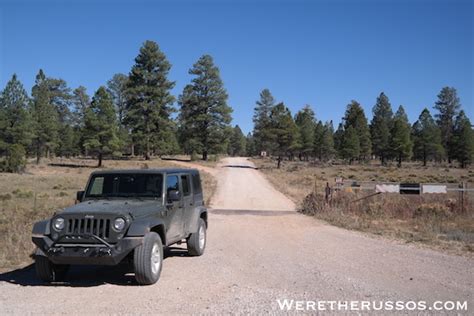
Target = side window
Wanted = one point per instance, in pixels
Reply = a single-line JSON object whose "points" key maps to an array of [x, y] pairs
{"points": [[172, 183], [185, 184], [196, 183]]}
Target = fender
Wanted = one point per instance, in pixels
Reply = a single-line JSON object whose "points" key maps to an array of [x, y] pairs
{"points": [[41, 228], [142, 227], [196, 214]]}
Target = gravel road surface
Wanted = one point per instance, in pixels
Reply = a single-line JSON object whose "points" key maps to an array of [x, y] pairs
{"points": [[259, 250]]}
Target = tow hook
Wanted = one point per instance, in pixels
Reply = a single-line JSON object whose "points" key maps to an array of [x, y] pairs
{"points": [[107, 252], [56, 250]]}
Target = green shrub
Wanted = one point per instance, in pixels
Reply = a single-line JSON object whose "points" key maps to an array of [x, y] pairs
{"points": [[15, 160]]}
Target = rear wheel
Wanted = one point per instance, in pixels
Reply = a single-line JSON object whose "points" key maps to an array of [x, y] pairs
{"points": [[148, 259], [48, 271], [197, 241]]}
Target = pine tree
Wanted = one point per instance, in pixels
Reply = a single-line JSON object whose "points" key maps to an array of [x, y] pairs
{"points": [[15, 125], [350, 149], [100, 129], [448, 106], [250, 148], [356, 118], [400, 143], [149, 100], [380, 127], [237, 142], [81, 101], [427, 138], [116, 88], [306, 123], [338, 139], [262, 122], [205, 117], [45, 118], [283, 130], [463, 140], [327, 142], [318, 140], [61, 99]]}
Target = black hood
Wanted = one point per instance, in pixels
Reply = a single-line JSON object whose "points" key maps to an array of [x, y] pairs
{"points": [[136, 208]]}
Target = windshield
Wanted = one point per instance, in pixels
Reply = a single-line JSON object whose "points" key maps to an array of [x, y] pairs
{"points": [[125, 185]]}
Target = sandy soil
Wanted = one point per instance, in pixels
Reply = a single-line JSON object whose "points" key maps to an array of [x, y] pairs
{"points": [[259, 250]]}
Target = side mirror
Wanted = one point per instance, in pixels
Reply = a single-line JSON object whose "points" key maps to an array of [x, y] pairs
{"points": [[174, 196], [79, 196]]}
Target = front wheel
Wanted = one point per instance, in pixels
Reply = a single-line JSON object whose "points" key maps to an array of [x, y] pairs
{"points": [[148, 259], [48, 271], [197, 241]]}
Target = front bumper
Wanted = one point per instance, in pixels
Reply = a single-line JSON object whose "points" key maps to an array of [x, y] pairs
{"points": [[89, 254]]}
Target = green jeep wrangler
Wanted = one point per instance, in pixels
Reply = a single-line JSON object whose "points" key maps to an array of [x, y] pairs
{"points": [[124, 215]]}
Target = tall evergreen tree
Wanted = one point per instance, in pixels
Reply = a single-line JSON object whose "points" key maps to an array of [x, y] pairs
{"points": [[338, 139], [427, 138], [45, 118], [327, 142], [15, 125], [350, 149], [205, 115], [318, 140], [283, 130], [448, 106], [356, 118], [463, 140], [149, 100], [80, 101], [262, 122], [250, 148], [306, 123], [100, 129], [237, 142], [116, 88], [400, 143], [380, 127], [61, 99]]}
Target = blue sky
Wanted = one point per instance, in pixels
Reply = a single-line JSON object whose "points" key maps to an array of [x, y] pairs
{"points": [[322, 53]]}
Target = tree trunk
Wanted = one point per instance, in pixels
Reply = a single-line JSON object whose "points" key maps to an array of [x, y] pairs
{"points": [[147, 149], [38, 154], [99, 164], [424, 159], [278, 162], [133, 149], [204, 155], [399, 160]]}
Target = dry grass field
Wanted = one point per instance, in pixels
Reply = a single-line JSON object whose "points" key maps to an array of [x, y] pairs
{"points": [[434, 220], [42, 190]]}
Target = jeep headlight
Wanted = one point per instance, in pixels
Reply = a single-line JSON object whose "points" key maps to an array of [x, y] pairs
{"points": [[119, 224], [58, 223]]}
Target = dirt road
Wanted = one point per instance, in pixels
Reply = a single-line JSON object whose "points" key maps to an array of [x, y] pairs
{"points": [[259, 250]]}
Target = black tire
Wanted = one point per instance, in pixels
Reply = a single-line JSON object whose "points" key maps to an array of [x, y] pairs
{"points": [[194, 247], [145, 272], [48, 271]]}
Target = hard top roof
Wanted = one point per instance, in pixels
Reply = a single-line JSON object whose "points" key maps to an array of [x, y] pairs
{"points": [[145, 171]]}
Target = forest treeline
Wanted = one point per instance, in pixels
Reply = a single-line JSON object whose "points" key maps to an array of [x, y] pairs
{"points": [[135, 114]]}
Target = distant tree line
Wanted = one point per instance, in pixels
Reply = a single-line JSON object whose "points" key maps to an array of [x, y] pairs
{"points": [[131, 115], [449, 136], [134, 115]]}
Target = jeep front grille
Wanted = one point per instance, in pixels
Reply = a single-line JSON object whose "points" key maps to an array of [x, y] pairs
{"points": [[86, 226]]}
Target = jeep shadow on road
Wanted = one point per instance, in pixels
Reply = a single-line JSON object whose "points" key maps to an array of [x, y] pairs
{"points": [[85, 276]]}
